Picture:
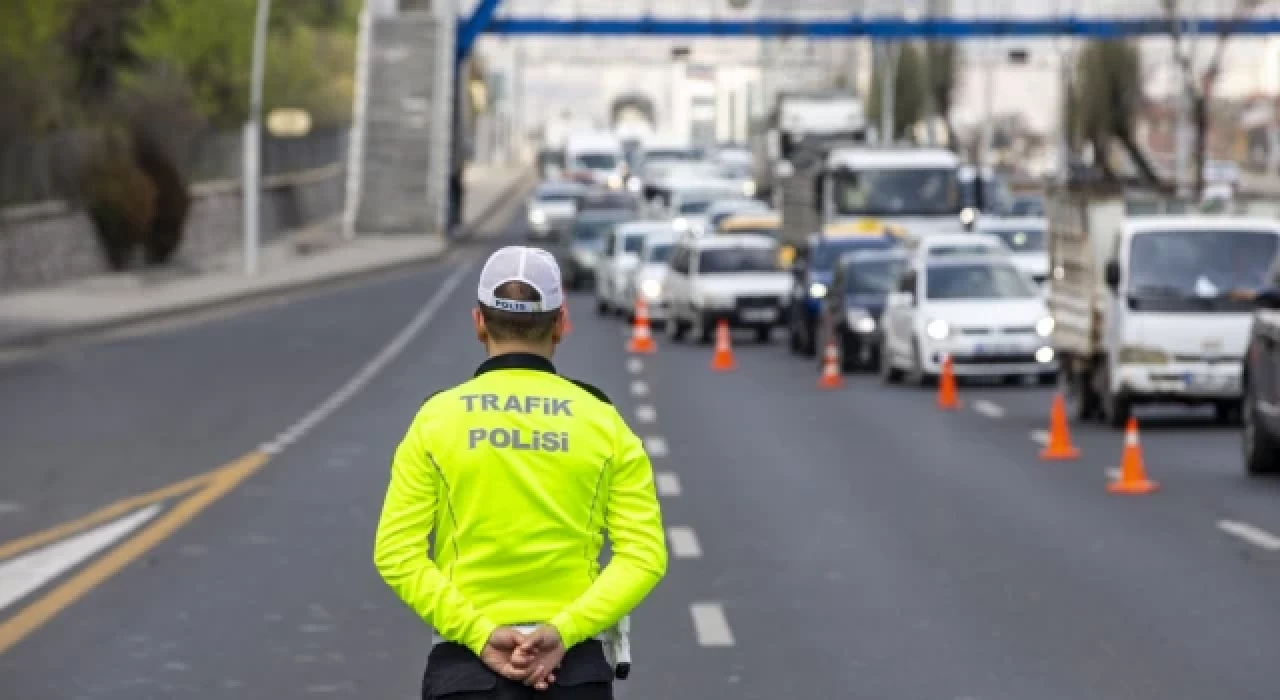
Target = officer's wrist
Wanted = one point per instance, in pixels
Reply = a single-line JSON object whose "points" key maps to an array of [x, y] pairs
{"points": [[566, 629]]}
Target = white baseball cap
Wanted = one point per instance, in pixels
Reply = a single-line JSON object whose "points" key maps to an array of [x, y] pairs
{"points": [[532, 266]]}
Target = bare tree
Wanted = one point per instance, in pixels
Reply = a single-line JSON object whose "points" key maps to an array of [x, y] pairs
{"points": [[1198, 84]]}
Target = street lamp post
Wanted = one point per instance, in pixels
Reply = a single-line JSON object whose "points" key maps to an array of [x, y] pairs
{"points": [[252, 141]]}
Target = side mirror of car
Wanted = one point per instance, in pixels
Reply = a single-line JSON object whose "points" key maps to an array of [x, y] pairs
{"points": [[1268, 298], [1111, 275]]}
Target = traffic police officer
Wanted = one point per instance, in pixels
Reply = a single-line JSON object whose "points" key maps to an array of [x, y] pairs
{"points": [[518, 473]]}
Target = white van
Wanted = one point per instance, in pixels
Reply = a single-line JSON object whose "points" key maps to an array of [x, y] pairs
{"points": [[596, 157]]}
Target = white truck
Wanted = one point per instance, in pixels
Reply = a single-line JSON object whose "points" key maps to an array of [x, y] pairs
{"points": [[596, 158], [1147, 308], [911, 192], [803, 123]]}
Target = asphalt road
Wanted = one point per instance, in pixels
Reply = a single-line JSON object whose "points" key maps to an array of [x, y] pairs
{"points": [[847, 544]]}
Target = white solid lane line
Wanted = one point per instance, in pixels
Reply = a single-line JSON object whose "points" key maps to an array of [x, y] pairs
{"points": [[1253, 535], [639, 388], [684, 543], [635, 365], [1040, 437], [668, 484], [26, 573], [656, 446], [711, 625], [379, 362], [988, 409]]}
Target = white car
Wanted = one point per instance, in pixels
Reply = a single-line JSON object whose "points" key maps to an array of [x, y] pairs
{"points": [[1028, 239], [551, 208], [621, 255], [982, 311], [649, 275], [950, 244], [736, 279], [690, 205]]}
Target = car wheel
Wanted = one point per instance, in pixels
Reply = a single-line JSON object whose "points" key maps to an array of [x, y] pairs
{"points": [[1227, 412], [916, 375], [764, 334], [850, 353], [888, 373], [602, 306], [1261, 451], [699, 330], [793, 337]]}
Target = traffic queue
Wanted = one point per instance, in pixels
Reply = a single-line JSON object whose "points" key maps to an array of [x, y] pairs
{"points": [[1114, 303]]}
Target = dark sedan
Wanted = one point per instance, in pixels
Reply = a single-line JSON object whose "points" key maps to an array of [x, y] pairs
{"points": [[860, 286]]}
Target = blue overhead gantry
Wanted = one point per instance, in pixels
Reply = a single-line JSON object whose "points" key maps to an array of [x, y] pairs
{"points": [[484, 20]]}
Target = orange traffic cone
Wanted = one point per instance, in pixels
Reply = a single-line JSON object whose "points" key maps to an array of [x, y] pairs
{"points": [[1059, 446], [831, 378], [948, 398], [1133, 475], [641, 337], [722, 360]]}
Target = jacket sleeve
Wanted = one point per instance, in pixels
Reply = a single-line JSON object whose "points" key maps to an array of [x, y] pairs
{"points": [[400, 547], [634, 522]]}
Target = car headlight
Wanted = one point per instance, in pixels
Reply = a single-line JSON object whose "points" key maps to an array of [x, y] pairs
{"points": [[938, 329], [860, 321], [651, 288], [680, 224], [538, 217], [1044, 355], [634, 184], [698, 229], [1045, 326], [749, 188], [817, 290], [968, 215], [615, 182], [1139, 355]]}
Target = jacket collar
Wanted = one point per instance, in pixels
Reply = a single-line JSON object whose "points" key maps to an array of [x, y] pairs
{"points": [[516, 360]]}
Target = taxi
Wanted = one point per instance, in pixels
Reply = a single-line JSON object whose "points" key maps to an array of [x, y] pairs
{"points": [[863, 227], [759, 223]]}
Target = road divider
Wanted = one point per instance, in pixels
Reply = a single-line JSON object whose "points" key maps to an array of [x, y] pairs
{"points": [[1058, 446]]}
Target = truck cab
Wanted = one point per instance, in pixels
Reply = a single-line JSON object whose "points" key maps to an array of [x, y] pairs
{"points": [[910, 192], [803, 122], [1153, 309]]}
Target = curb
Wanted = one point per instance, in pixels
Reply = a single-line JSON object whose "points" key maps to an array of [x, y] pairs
{"points": [[35, 340]]}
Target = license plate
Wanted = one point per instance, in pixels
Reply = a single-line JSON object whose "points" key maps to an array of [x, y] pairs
{"points": [[1208, 382], [987, 350], [759, 314]]}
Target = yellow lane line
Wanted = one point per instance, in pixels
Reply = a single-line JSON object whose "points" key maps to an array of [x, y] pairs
{"points": [[216, 484], [115, 510]]}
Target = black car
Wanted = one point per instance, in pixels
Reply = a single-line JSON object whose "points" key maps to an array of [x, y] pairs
{"points": [[1260, 377], [854, 304], [812, 269]]}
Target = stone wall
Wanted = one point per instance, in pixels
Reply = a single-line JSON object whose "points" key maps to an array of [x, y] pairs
{"points": [[52, 242]]}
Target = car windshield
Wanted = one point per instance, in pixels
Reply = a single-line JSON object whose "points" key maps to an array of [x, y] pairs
{"points": [[873, 276], [976, 281], [717, 261], [596, 161], [897, 192], [825, 255], [1027, 206], [1021, 240], [995, 195], [591, 230], [668, 154], [551, 159], [633, 243], [659, 253], [695, 206], [1196, 270]]}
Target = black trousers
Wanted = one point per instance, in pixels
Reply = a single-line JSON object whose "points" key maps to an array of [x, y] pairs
{"points": [[454, 673]]}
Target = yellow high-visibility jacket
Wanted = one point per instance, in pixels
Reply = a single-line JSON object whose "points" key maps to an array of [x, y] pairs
{"points": [[518, 472]]}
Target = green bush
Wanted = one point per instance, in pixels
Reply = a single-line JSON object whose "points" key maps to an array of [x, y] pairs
{"points": [[120, 200]]}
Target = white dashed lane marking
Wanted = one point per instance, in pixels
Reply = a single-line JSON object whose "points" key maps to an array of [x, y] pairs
{"points": [[988, 409], [656, 446], [7, 508], [635, 365], [646, 414], [711, 625], [1253, 535], [1040, 437], [639, 388], [668, 484], [1113, 473], [684, 542]]}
